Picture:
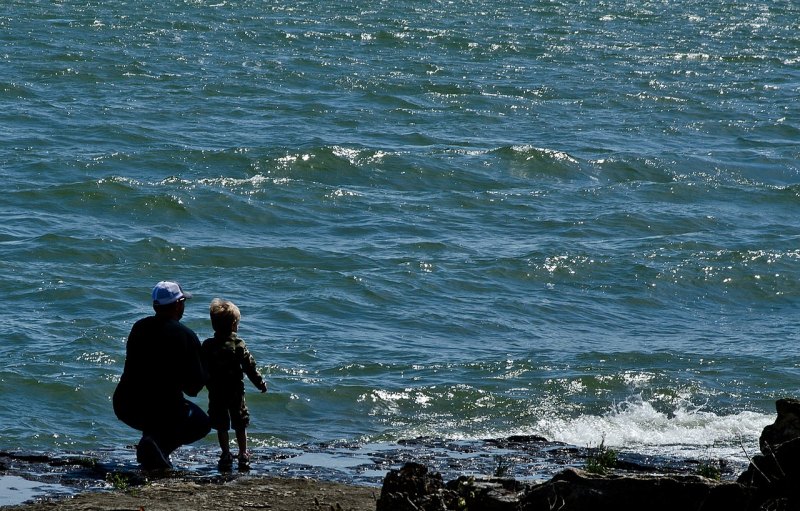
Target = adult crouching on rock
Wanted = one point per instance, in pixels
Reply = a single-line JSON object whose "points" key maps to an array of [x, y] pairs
{"points": [[162, 363]]}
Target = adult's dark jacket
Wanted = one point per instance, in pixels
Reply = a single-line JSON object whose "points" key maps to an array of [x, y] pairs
{"points": [[162, 363]]}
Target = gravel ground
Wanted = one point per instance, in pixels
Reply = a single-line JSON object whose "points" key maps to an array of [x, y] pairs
{"points": [[275, 494]]}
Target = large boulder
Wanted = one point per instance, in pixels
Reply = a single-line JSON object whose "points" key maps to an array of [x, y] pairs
{"points": [[776, 472], [486, 493], [412, 488], [785, 428]]}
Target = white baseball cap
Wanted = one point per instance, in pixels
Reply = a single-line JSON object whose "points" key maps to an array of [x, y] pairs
{"points": [[167, 292]]}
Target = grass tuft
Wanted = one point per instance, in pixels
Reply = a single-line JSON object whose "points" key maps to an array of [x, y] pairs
{"points": [[709, 471], [118, 481], [602, 460]]}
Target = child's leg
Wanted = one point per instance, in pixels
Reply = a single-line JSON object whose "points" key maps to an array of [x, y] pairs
{"points": [[224, 440], [244, 457], [225, 459], [241, 441], [239, 421]]}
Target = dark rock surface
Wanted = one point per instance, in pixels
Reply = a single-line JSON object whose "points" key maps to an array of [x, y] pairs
{"points": [[578, 490], [413, 488]]}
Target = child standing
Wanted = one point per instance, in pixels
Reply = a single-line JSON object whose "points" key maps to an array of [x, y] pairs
{"points": [[227, 360]]}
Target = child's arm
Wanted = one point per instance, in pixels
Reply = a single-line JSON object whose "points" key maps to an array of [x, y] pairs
{"points": [[250, 369]]}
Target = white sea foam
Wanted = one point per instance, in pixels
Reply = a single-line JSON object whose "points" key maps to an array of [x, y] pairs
{"points": [[637, 425]]}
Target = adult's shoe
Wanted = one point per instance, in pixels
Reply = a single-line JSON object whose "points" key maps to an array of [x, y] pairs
{"points": [[149, 455]]}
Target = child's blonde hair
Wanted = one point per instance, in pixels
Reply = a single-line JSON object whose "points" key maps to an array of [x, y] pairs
{"points": [[224, 315]]}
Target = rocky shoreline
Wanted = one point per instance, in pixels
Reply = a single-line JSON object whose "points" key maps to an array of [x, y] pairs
{"points": [[768, 484], [605, 482]]}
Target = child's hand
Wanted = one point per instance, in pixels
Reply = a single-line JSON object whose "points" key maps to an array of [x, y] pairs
{"points": [[263, 387]]}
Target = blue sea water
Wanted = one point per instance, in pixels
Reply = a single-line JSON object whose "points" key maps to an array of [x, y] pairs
{"points": [[458, 220]]}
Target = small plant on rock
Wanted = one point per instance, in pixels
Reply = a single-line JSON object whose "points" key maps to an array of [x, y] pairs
{"points": [[602, 459], [503, 467], [710, 471], [118, 481]]}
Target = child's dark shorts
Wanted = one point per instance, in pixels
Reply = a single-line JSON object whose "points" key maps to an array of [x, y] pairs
{"points": [[228, 410]]}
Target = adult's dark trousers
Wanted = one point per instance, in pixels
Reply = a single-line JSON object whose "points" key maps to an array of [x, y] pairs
{"points": [[170, 429]]}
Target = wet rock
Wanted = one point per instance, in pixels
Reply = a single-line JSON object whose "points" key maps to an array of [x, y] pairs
{"points": [[516, 440], [525, 439]]}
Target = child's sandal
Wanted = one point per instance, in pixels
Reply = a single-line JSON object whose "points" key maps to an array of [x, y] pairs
{"points": [[225, 461], [244, 461]]}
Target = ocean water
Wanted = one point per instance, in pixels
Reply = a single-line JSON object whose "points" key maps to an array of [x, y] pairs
{"points": [[451, 219]]}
